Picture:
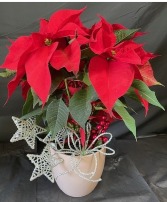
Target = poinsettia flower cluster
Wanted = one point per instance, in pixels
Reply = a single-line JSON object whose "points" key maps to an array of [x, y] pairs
{"points": [[59, 42], [31, 55], [64, 49]]}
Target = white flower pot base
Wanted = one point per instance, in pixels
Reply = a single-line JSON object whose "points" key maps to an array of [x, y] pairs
{"points": [[72, 183]]}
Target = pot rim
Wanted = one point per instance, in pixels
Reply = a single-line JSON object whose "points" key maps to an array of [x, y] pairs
{"points": [[83, 156]]}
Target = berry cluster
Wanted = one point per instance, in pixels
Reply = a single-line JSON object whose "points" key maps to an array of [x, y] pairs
{"points": [[101, 127]]}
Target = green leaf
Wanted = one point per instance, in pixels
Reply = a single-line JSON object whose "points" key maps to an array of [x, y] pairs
{"points": [[87, 53], [57, 115], [36, 99], [124, 34], [86, 79], [80, 105], [27, 107], [57, 77], [98, 108], [36, 112], [126, 117], [119, 103], [7, 73], [131, 94], [146, 93]]}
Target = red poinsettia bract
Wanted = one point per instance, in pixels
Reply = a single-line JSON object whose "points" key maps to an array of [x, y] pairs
{"points": [[111, 79], [30, 55], [102, 37]]}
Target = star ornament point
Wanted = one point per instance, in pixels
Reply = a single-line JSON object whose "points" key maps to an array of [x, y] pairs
{"points": [[44, 164], [27, 130]]}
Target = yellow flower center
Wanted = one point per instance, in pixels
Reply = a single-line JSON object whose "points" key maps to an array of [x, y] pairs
{"points": [[113, 52], [48, 42]]}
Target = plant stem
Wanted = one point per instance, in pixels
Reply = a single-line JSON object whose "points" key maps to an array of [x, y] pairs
{"points": [[83, 152], [66, 85]]}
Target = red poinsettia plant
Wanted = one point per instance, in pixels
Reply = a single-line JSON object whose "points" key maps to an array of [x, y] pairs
{"points": [[71, 74]]}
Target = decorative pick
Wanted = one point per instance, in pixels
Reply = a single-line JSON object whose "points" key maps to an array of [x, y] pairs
{"points": [[27, 130], [44, 164]]}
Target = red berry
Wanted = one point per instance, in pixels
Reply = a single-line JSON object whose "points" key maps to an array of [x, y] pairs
{"points": [[94, 136], [100, 138], [105, 139], [107, 123], [99, 127], [103, 118], [103, 131], [93, 131], [102, 123], [105, 127]]}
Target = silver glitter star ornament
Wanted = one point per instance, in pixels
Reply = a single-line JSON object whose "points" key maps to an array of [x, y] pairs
{"points": [[59, 138], [27, 130], [44, 164]]}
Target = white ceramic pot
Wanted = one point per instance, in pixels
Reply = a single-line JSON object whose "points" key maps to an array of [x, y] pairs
{"points": [[71, 183]]}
